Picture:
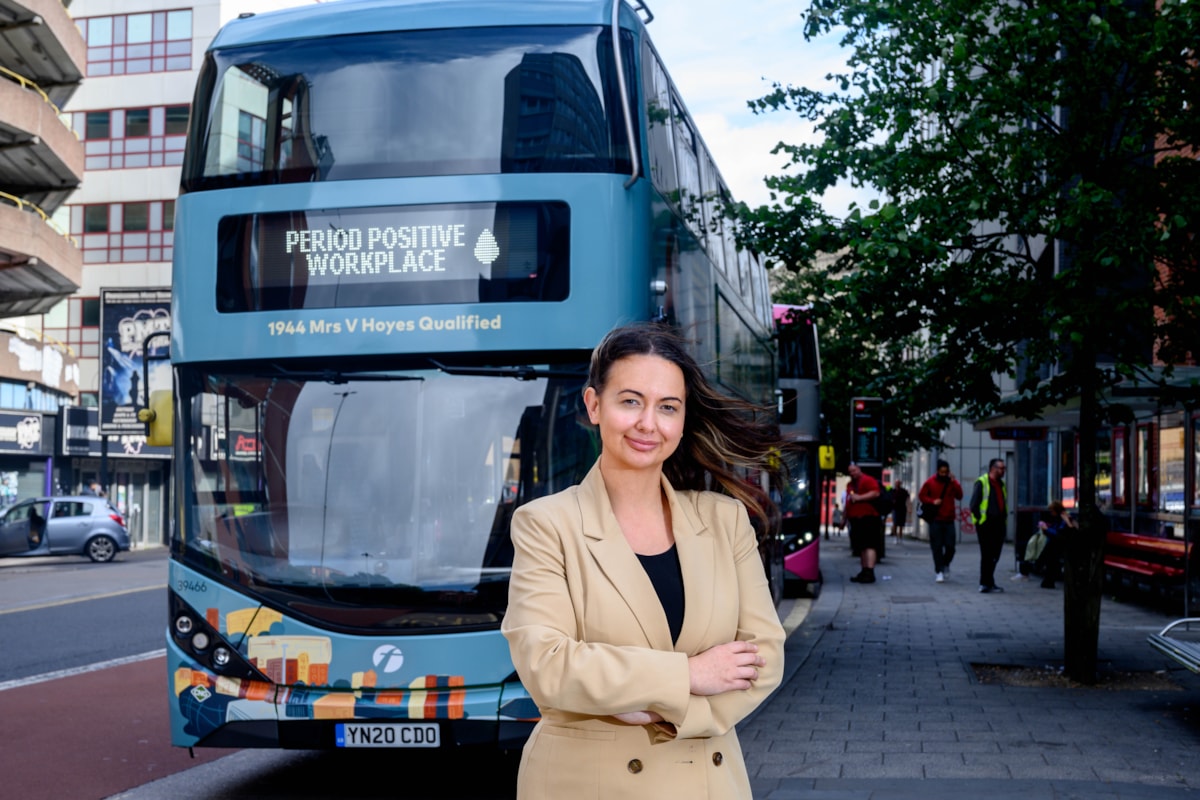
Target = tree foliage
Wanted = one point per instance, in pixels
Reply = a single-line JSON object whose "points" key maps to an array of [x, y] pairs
{"points": [[1039, 202]]}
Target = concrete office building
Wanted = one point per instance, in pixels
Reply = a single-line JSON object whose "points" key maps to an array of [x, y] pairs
{"points": [[42, 57], [138, 60]]}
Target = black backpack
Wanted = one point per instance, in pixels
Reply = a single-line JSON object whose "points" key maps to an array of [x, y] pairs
{"points": [[884, 501]]}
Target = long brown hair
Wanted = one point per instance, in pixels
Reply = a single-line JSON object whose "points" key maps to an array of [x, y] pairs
{"points": [[720, 433]]}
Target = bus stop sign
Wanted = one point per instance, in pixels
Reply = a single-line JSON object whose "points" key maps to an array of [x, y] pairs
{"points": [[866, 431], [825, 457]]}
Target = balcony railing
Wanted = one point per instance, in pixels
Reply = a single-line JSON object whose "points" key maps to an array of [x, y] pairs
{"points": [[25, 205], [25, 83]]}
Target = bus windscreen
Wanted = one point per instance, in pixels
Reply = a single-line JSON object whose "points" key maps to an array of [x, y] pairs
{"points": [[374, 500], [466, 101]]}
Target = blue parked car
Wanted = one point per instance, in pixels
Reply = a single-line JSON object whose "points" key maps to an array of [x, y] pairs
{"points": [[46, 526]]}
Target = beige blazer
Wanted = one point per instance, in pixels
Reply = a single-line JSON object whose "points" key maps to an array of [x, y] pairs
{"points": [[589, 639]]}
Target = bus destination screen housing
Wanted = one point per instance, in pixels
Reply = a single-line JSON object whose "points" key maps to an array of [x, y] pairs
{"points": [[394, 255]]}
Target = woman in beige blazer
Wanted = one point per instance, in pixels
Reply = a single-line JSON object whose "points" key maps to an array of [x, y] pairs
{"points": [[639, 616]]}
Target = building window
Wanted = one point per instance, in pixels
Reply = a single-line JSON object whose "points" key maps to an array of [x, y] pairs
{"points": [[131, 138], [1171, 466], [179, 25], [95, 219], [138, 28], [28, 396], [75, 322], [137, 123], [137, 217], [97, 31], [89, 312], [176, 120], [131, 231], [12, 396], [97, 125], [129, 44]]}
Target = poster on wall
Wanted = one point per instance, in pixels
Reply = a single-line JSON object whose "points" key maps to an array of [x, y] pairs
{"points": [[127, 317], [9, 488]]}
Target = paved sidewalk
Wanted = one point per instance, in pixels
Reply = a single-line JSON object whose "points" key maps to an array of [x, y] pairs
{"points": [[881, 702]]}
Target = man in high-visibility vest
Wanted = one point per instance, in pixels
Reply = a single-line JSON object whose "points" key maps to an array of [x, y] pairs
{"points": [[989, 512]]}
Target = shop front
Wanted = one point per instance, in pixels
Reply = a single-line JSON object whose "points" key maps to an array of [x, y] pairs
{"points": [[26, 455], [134, 475]]}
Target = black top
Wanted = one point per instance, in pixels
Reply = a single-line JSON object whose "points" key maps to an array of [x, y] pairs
{"points": [[667, 576]]}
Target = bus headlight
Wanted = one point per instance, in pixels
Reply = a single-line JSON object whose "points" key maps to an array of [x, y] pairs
{"points": [[221, 657], [203, 642]]}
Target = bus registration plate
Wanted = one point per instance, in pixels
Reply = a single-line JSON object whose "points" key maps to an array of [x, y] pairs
{"points": [[375, 734]]}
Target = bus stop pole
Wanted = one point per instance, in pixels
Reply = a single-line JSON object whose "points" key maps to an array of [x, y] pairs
{"points": [[104, 463], [1189, 492]]}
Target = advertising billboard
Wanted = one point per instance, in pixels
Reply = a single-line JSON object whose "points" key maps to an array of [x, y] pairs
{"points": [[127, 317]]}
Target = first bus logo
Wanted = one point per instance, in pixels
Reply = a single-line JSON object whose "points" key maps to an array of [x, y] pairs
{"points": [[388, 657]]}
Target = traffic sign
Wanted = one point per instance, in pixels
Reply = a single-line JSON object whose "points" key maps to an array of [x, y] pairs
{"points": [[825, 457]]}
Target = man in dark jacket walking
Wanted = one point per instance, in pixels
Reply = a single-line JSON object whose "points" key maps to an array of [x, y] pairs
{"points": [[939, 498]]}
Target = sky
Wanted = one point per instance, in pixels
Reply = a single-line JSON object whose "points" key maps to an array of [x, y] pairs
{"points": [[722, 54]]}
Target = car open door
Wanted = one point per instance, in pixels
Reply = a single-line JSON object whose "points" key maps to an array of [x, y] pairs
{"points": [[15, 530]]}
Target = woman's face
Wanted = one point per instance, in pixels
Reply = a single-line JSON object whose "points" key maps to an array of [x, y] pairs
{"points": [[640, 412]]}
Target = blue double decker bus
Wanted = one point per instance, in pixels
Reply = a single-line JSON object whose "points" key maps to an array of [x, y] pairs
{"points": [[402, 227]]}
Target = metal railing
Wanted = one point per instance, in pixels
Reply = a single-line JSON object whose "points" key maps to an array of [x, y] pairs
{"points": [[25, 205], [25, 83]]}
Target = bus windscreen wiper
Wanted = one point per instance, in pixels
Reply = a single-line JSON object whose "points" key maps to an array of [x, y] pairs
{"points": [[521, 373], [337, 377]]}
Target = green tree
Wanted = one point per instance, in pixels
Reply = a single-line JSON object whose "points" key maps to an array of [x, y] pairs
{"points": [[1037, 218]]}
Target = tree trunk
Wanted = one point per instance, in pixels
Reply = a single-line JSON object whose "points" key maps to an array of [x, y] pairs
{"points": [[1084, 555]]}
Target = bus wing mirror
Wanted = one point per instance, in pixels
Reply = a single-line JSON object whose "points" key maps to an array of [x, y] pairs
{"points": [[159, 418]]}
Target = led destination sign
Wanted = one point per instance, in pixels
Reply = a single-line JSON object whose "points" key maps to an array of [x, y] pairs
{"points": [[404, 250], [395, 255]]}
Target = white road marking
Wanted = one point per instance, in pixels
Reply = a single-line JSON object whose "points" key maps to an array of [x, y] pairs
{"points": [[67, 673]]}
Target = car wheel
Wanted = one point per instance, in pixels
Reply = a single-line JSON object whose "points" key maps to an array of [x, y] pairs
{"points": [[101, 549]]}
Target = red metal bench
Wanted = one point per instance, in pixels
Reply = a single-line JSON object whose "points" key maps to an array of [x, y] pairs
{"points": [[1154, 557]]}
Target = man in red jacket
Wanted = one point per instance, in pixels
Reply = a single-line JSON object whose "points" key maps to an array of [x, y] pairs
{"points": [[866, 526], [940, 494]]}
